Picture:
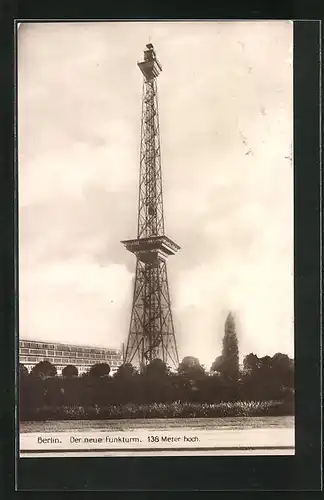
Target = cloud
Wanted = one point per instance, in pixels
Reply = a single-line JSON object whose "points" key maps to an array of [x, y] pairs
{"points": [[225, 100], [71, 294]]}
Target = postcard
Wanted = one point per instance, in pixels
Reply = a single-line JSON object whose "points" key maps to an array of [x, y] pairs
{"points": [[156, 271]]}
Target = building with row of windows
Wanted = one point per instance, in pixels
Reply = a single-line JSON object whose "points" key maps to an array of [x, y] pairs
{"points": [[32, 352]]}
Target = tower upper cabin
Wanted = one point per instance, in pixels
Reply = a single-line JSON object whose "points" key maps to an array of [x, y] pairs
{"points": [[150, 67]]}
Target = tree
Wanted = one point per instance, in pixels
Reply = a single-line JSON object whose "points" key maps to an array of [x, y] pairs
{"points": [[99, 370], [251, 363], [266, 363], [228, 363], [268, 377], [191, 368], [156, 368], [282, 362], [125, 371], [217, 364], [23, 371], [283, 367], [44, 369], [126, 385], [279, 367], [70, 371]]}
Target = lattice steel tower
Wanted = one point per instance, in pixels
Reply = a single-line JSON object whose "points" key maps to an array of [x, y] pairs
{"points": [[151, 333]]}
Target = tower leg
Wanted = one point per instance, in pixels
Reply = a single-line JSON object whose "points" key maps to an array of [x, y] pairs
{"points": [[151, 332]]}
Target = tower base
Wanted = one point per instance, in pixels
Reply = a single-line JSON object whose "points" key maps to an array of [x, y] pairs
{"points": [[151, 333]]}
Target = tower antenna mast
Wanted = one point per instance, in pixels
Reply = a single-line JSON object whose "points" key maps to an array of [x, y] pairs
{"points": [[151, 332]]}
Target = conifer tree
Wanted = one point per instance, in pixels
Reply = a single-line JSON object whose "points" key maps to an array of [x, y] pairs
{"points": [[230, 349], [228, 363]]}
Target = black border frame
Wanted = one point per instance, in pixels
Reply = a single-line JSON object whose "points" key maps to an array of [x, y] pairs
{"points": [[302, 472]]}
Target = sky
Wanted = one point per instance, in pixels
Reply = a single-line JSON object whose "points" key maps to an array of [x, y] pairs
{"points": [[225, 103]]}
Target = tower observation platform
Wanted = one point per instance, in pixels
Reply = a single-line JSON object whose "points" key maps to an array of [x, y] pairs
{"points": [[152, 249], [151, 332]]}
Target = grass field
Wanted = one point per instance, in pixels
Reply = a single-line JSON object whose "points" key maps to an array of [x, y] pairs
{"points": [[235, 423]]}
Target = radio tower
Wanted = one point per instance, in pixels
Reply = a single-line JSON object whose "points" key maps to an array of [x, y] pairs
{"points": [[151, 332]]}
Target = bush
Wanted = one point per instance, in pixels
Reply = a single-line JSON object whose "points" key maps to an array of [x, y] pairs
{"points": [[264, 387]]}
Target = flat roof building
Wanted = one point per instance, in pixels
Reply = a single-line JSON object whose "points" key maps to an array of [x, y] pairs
{"points": [[60, 355]]}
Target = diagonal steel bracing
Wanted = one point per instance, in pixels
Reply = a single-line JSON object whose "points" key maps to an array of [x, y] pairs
{"points": [[151, 332]]}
